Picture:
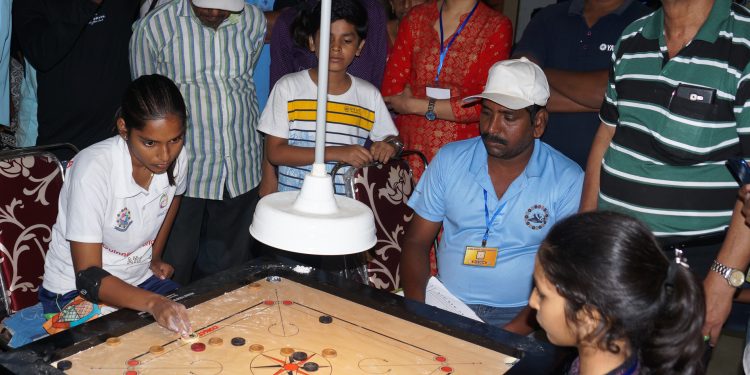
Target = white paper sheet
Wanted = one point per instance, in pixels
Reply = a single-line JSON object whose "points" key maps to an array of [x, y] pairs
{"points": [[437, 295]]}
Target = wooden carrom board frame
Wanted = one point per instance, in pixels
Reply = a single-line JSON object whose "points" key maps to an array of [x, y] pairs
{"points": [[271, 306]]}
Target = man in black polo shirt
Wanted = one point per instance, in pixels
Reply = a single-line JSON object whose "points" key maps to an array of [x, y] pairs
{"points": [[80, 51], [573, 42]]}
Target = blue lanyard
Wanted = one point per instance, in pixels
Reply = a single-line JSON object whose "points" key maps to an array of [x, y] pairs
{"points": [[487, 219], [444, 49]]}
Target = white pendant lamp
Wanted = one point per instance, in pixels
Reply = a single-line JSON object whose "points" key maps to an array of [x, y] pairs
{"points": [[314, 220]]}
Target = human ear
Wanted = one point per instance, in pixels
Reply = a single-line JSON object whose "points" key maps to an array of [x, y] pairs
{"points": [[122, 130], [311, 43], [588, 320], [359, 49], [540, 122]]}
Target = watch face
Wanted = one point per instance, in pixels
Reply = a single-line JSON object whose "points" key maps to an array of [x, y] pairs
{"points": [[430, 116], [736, 278]]}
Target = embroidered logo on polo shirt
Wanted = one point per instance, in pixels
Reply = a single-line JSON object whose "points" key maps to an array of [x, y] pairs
{"points": [[97, 18], [163, 200], [123, 220], [536, 217]]}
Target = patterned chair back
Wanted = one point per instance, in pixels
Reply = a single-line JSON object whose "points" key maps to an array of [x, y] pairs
{"points": [[30, 183], [385, 188]]}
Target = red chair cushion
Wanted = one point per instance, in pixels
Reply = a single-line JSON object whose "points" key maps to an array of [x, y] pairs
{"points": [[29, 190], [385, 188]]}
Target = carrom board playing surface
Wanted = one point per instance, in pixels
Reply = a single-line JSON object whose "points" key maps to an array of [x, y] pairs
{"points": [[276, 326]]}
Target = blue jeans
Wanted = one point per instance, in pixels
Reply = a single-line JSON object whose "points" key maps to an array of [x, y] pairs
{"points": [[52, 303], [496, 316]]}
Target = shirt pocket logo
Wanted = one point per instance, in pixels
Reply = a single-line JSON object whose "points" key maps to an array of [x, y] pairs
{"points": [[163, 200], [123, 220], [536, 217]]}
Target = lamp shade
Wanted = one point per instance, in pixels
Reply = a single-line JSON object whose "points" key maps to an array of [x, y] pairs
{"points": [[314, 220]]}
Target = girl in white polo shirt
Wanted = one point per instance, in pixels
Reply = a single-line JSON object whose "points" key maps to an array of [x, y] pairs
{"points": [[116, 209]]}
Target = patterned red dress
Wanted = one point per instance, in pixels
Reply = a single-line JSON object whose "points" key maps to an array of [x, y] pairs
{"points": [[485, 40]]}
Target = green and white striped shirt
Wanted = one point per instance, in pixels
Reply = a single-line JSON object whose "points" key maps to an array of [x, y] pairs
{"points": [[665, 164], [214, 71]]}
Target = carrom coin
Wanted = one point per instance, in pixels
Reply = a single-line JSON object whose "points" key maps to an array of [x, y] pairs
{"points": [[286, 352], [113, 341], [215, 341], [256, 348], [156, 349], [329, 353], [64, 365]]}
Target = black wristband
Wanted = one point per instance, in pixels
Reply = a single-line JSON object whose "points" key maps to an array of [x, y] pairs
{"points": [[88, 282]]}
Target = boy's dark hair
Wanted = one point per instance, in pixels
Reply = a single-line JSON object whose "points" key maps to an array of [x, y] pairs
{"points": [[307, 22], [610, 263], [152, 97]]}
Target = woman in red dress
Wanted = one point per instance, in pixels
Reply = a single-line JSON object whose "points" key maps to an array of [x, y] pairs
{"points": [[474, 37]]}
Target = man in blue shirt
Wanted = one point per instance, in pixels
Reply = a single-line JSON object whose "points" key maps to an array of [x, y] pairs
{"points": [[573, 42], [496, 197]]}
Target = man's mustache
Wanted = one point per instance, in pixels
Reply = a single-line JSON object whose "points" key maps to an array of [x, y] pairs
{"points": [[494, 139]]}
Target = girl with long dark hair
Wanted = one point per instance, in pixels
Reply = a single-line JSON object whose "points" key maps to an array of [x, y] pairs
{"points": [[604, 286]]}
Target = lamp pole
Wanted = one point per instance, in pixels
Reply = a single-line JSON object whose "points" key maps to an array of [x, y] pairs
{"points": [[319, 167]]}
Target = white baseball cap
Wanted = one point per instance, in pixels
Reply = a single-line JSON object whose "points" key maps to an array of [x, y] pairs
{"points": [[515, 84], [230, 5]]}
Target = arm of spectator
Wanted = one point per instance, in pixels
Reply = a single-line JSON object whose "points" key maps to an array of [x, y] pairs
{"points": [[270, 21], [405, 103], [590, 194], [48, 29], [259, 35], [142, 56], [415, 257], [734, 253], [269, 181], [585, 88], [280, 152], [398, 68], [524, 323], [572, 91], [561, 103]]}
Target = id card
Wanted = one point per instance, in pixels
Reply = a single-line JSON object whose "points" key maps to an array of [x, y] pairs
{"points": [[438, 93], [480, 256]]}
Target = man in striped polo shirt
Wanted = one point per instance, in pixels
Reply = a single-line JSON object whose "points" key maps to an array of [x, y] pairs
{"points": [[675, 110], [209, 48]]}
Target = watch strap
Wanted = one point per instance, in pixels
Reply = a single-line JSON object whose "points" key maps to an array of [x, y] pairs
{"points": [[724, 271], [430, 114]]}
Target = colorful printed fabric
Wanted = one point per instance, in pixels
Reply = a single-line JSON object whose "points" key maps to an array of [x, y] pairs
{"points": [[75, 313]]}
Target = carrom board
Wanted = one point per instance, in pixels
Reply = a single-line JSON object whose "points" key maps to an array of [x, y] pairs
{"points": [[276, 326]]}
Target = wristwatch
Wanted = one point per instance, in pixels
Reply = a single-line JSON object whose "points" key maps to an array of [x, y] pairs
{"points": [[430, 114], [396, 142], [733, 276]]}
